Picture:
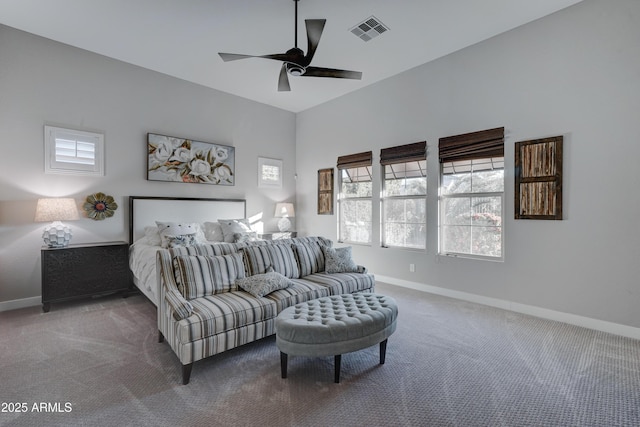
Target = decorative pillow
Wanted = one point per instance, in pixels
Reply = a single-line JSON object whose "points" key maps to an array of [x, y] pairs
{"points": [[338, 260], [179, 229], [198, 275], [152, 235], [213, 232], [245, 237], [263, 284], [280, 257], [310, 258], [233, 226], [180, 241]]}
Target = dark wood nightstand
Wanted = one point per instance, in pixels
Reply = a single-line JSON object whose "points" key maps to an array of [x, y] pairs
{"points": [[277, 235], [84, 270]]}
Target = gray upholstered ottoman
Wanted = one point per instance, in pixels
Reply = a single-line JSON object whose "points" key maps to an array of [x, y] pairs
{"points": [[334, 325]]}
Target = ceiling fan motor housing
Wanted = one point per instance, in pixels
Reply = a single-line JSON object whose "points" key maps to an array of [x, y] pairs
{"points": [[295, 69]]}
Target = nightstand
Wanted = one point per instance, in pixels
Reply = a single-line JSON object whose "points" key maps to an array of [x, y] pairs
{"points": [[277, 235], [83, 270]]}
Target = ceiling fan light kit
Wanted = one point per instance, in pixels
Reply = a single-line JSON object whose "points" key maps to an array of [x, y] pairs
{"points": [[295, 62]]}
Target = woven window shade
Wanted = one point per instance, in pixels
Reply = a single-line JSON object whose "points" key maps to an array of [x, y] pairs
{"points": [[404, 153], [474, 145], [355, 160]]}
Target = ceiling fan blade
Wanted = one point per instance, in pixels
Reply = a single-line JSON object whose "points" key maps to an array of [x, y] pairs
{"points": [[314, 32], [332, 72], [226, 57], [283, 80]]}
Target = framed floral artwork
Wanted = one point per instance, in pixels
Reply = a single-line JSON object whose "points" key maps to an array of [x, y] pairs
{"points": [[184, 160]]}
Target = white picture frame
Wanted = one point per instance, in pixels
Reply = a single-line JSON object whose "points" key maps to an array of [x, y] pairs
{"points": [[269, 173]]}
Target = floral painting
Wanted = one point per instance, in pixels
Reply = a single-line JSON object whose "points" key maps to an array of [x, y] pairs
{"points": [[184, 160]]}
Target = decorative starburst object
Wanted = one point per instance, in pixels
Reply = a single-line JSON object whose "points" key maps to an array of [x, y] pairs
{"points": [[99, 206]]}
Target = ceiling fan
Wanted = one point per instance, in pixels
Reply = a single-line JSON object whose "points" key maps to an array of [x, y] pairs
{"points": [[295, 62]]}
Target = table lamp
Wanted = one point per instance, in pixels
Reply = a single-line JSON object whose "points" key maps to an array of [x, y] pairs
{"points": [[56, 234], [283, 211]]}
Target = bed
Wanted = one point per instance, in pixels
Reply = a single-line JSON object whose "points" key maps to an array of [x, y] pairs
{"points": [[145, 211]]}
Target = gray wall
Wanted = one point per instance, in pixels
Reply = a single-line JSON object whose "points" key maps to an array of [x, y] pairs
{"points": [[575, 73], [44, 82]]}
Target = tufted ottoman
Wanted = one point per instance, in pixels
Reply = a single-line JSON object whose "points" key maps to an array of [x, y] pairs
{"points": [[334, 325]]}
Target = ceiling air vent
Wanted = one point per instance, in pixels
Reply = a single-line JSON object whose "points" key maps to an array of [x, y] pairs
{"points": [[369, 28]]}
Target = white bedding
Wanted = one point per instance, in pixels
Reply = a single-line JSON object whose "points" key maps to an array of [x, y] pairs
{"points": [[142, 261]]}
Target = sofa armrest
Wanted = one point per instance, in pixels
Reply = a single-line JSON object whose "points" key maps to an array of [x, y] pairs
{"points": [[362, 269], [180, 306]]}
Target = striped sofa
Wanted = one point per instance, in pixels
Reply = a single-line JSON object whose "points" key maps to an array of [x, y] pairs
{"points": [[202, 310]]}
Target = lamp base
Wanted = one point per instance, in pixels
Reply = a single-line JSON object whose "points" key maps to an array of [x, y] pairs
{"points": [[284, 224], [56, 235]]}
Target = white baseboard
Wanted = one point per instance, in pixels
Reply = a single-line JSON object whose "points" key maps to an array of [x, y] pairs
{"points": [[20, 303], [572, 319]]}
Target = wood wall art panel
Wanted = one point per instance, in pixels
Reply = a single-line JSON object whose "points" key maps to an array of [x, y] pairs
{"points": [[538, 179]]}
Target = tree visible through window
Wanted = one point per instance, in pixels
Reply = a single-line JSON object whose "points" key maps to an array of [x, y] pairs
{"points": [[472, 194], [354, 198], [404, 205]]}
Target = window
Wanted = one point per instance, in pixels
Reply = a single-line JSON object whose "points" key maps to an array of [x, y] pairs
{"points": [[404, 191], [69, 151], [472, 194], [354, 198]]}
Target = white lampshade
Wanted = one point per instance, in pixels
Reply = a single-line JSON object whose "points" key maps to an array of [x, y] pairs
{"points": [[56, 234], [283, 211]]}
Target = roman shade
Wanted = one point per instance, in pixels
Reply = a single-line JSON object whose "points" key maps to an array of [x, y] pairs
{"points": [[474, 145], [404, 153], [355, 160]]}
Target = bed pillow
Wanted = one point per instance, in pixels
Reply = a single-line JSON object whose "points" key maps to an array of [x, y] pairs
{"points": [[213, 231], [168, 228], [233, 226], [152, 235], [338, 260], [263, 284], [198, 275], [181, 240]]}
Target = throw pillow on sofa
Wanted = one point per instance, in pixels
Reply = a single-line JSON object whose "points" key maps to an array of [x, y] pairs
{"points": [[280, 257], [338, 260], [310, 258], [263, 284], [198, 275]]}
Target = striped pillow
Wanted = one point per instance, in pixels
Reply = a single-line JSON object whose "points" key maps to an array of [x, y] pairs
{"points": [[280, 257], [310, 258], [198, 275]]}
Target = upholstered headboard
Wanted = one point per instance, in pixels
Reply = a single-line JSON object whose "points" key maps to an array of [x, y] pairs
{"points": [[145, 211]]}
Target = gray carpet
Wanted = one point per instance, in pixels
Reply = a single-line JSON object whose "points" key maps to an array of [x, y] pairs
{"points": [[450, 363]]}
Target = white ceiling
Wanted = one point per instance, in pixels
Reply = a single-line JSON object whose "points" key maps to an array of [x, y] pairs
{"points": [[182, 38]]}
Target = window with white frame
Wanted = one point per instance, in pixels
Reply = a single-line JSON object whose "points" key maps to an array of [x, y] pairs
{"points": [[404, 192], [354, 198], [70, 151], [472, 195]]}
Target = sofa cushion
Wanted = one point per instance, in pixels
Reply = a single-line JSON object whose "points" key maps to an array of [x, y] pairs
{"points": [[223, 312], [209, 249], [260, 285], [301, 290], [338, 260], [198, 275], [281, 257], [310, 258], [344, 283]]}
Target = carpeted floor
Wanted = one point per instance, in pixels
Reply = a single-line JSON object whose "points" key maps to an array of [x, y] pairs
{"points": [[450, 363]]}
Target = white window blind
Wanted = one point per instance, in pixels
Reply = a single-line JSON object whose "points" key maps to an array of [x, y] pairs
{"points": [[69, 151]]}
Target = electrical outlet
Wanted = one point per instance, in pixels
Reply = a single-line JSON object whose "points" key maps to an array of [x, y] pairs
{"points": [[412, 268]]}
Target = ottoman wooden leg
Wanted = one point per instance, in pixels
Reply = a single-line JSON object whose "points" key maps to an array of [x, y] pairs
{"points": [[383, 351], [338, 359], [283, 364]]}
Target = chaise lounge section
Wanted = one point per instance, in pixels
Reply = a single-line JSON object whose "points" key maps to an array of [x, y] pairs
{"points": [[215, 297]]}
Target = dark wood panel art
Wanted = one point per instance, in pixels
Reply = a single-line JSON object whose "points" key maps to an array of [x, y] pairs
{"points": [[538, 179], [325, 191]]}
